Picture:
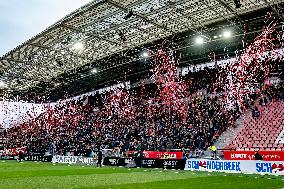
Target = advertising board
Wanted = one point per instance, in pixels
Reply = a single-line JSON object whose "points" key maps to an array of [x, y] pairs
{"points": [[238, 166]]}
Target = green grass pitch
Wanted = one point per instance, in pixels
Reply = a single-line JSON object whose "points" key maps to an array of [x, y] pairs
{"points": [[38, 175]]}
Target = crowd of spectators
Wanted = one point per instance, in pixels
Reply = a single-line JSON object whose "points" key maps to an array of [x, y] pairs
{"points": [[129, 120]]}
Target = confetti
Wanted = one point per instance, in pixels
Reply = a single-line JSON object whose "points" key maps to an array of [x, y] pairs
{"points": [[167, 111]]}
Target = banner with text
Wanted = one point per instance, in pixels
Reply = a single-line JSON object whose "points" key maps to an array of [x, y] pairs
{"points": [[229, 166], [164, 163], [116, 161], [159, 155], [73, 160], [249, 155], [13, 151], [38, 157]]}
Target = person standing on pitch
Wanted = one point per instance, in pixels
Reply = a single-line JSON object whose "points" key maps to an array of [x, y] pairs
{"points": [[140, 158], [99, 158], [213, 149], [21, 156]]}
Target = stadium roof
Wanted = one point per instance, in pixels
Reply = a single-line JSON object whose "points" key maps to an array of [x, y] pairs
{"points": [[104, 28]]}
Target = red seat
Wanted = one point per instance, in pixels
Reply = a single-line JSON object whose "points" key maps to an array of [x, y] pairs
{"points": [[262, 133]]}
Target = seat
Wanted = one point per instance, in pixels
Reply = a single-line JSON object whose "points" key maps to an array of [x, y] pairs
{"points": [[262, 132]]}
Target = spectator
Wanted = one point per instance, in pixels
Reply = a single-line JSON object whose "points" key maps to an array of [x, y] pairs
{"points": [[123, 120], [257, 156]]}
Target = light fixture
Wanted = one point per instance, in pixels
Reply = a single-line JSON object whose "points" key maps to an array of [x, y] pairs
{"points": [[227, 34], [145, 54], [199, 40], [2, 84], [78, 46], [94, 70]]}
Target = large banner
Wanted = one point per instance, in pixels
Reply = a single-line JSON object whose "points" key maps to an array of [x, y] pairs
{"points": [[164, 163], [13, 151], [149, 163], [249, 155], [73, 160], [116, 161], [38, 157], [160, 155], [228, 166]]}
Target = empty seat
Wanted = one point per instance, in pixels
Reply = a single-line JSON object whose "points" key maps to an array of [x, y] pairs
{"points": [[261, 133]]}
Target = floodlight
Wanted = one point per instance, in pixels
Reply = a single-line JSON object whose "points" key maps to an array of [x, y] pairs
{"points": [[2, 84], [94, 70], [78, 46], [227, 34], [145, 54], [199, 40]]}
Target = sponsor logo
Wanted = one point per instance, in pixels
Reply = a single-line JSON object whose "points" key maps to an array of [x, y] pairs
{"points": [[73, 160], [146, 154], [159, 155], [214, 165], [223, 166], [202, 164], [269, 168], [128, 160], [239, 156], [149, 162], [113, 161], [263, 167], [196, 165], [170, 163], [249, 155], [277, 168]]}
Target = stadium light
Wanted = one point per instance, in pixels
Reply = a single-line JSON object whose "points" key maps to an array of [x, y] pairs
{"points": [[2, 84], [227, 34], [94, 70], [145, 54], [78, 46], [199, 40]]}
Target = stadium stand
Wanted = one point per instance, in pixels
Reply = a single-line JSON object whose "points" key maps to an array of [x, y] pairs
{"points": [[261, 133], [77, 126], [143, 94]]}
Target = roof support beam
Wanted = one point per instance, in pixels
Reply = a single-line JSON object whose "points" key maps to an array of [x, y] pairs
{"points": [[160, 10], [114, 13], [90, 35], [229, 9], [118, 11], [37, 45], [13, 60], [274, 10], [140, 15]]}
